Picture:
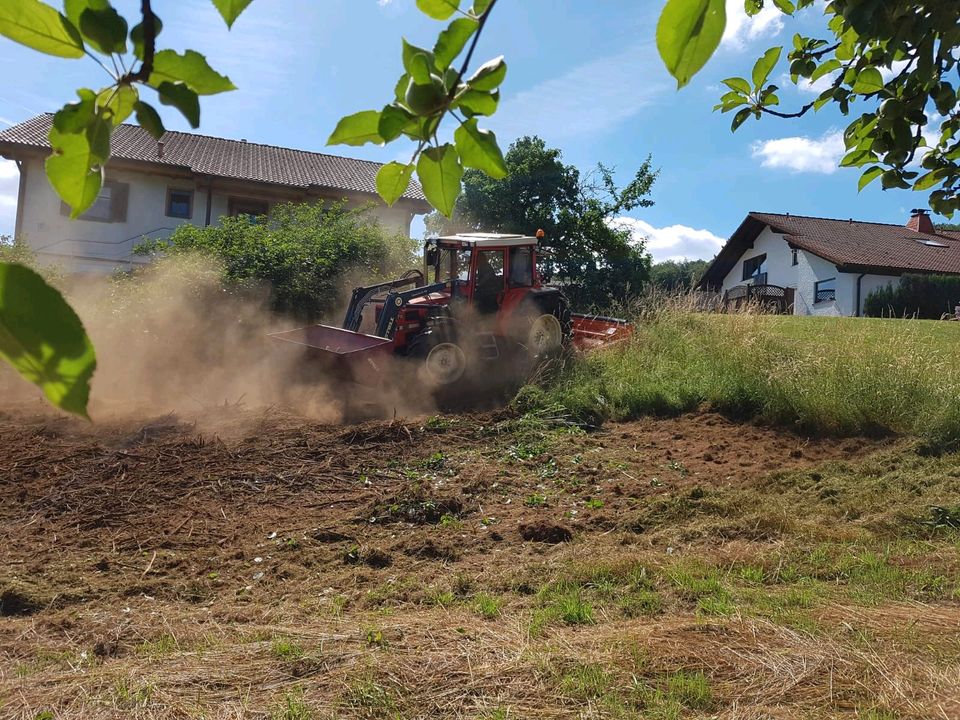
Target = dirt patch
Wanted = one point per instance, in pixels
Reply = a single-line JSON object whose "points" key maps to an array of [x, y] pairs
{"points": [[160, 540], [545, 532]]}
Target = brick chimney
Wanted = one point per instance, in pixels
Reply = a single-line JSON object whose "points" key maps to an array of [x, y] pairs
{"points": [[920, 221]]}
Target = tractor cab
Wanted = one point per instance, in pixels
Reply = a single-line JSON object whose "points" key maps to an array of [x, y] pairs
{"points": [[486, 270]]}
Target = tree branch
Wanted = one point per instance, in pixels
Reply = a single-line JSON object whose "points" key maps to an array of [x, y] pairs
{"points": [[149, 46]]}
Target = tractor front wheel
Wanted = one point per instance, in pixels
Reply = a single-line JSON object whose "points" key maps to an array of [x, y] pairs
{"points": [[444, 364]]}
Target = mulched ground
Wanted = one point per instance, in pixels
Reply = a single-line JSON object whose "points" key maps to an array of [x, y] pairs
{"points": [[227, 516]]}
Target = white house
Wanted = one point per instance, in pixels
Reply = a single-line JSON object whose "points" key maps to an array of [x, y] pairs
{"points": [[153, 186], [822, 266]]}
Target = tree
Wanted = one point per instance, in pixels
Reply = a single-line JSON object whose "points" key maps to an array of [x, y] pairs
{"points": [[954, 227], [299, 253], [677, 274], [584, 250]]}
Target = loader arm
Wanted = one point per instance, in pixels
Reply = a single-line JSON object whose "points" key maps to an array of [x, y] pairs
{"points": [[362, 295], [396, 301]]}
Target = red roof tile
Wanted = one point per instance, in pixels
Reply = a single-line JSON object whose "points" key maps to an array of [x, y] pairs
{"points": [[224, 158]]}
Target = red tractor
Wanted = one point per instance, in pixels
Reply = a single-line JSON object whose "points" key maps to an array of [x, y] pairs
{"points": [[479, 300]]}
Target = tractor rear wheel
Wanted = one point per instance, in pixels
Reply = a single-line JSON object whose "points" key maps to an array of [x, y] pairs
{"points": [[543, 325], [545, 336]]}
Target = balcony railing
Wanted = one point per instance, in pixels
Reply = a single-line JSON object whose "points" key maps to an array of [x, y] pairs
{"points": [[824, 295]]}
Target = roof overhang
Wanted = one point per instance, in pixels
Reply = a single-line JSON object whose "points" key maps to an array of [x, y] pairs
{"points": [[742, 239]]}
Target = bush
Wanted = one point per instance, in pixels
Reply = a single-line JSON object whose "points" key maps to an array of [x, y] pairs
{"points": [[840, 375], [922, 296], [305, 254]]}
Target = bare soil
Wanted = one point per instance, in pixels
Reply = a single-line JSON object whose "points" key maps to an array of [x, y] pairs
{"points": [[160, 567]]}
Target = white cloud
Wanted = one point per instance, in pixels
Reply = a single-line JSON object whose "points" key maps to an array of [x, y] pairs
{"points": [[589, 99], [9, 187], [802, 153], [742, 29], [674, 242], [815, 88]]}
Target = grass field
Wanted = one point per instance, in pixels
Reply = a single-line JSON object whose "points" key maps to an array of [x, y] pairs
{"points": [[839, 375], [766, 525]]}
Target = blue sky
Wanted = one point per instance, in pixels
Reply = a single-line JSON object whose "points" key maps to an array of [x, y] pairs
{"points": [[585, 76]]}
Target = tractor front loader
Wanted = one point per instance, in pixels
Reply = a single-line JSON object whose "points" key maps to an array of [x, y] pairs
{"points": [[477, 312]]}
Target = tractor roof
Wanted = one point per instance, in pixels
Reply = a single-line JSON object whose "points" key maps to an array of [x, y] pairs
{"points": [[478, 239]]}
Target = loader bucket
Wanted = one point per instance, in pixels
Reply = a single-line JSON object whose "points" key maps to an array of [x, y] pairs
{"points": [[343, 353], [591, 331]]}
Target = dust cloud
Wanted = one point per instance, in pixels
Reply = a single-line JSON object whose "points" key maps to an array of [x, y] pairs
{"points": [[173, 340]]}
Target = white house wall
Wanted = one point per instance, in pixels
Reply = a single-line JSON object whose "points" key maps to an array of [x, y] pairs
{"points": [[779, 270], [92, 246]]}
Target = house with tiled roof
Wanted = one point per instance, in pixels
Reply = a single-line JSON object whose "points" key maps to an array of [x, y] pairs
{"points": [[823, 266], [153, 186]]}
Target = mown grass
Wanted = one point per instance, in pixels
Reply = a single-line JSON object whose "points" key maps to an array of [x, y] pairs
{"points": [[839, 375]]}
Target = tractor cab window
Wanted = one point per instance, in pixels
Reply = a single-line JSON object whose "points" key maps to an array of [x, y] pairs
{"points": [[463, 265], [489, 280], [521, 267]]}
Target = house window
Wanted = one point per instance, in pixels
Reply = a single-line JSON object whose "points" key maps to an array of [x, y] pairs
{"points": [[755, 269], [110, 205], [248, 206], [794, 253], [825, 290], [179, 203]]}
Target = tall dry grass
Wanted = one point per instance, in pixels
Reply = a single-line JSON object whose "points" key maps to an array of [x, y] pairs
{"points": [[818, 374]]}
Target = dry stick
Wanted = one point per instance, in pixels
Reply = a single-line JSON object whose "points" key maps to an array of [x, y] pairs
{"points": [[149, 565]]}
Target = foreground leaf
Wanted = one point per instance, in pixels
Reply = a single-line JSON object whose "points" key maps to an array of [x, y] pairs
{"points": [[450, 42], [438, 9], [357, 129], [230, 9], [181, 97], [119, 101], [39, 26], [478, 149], [868, 81], [764, 66], [440, 172], [688, 33], [393, 180], [74, 169], [43, 339], [149, 119], [191, 69], [489, 75], [101, 25]]}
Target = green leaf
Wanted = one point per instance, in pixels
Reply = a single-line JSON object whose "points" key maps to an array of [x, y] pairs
{"points": [[357, 129], [478, 149], [44, 340], [480, 7], [393, 180], [764, 66], [738, 84], [230, 9], [103, 27], [828, 67], [118, 101], [393, 119], [440, 172], [191, 69], [752, 7], [479, 102], [489, 75], [40, 27], [438, 9], [417, 62], [450, 42], [927, 181], [75, 168], [183, 99], [740, 118], [149, 119], [785, 6], [868, 81], [869, 176], [137, 36], [688, 33]]}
